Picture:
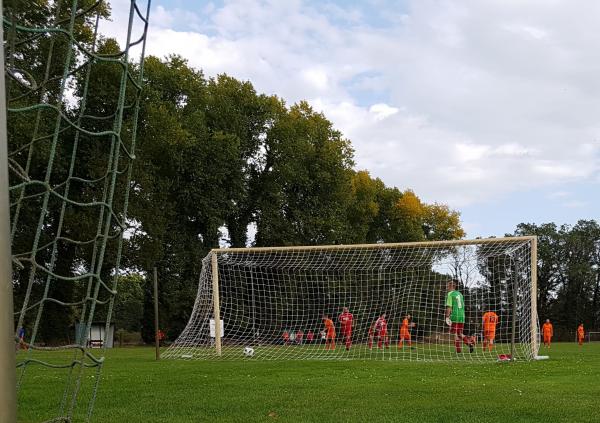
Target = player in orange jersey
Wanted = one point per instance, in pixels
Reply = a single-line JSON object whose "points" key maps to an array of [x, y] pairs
{"points": [[547, 333], [382, 334], [490, 320], [580, 334], [405, 331], [329, 333]]}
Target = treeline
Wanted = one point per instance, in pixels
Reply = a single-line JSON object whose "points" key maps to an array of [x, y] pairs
{"points": [[216, 163], [568, 275], [218, 160]]}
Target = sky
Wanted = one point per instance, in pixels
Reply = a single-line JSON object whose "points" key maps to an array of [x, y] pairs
{"points": [[489, 106]]}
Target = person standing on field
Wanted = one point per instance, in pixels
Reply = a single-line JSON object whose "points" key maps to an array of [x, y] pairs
{"points": [[580, 334], [371, 335], [286, 337], [329, 333], [455, 316], [405, 331], [490, 320], [22, 343], [382, 333], [346, 319], [299, 336], [547, 333]]}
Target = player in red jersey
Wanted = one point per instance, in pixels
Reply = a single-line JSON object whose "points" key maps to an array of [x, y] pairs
{"points": [[382, 333], [371, 335], [346, 319], [299, 336], [286, 337]]}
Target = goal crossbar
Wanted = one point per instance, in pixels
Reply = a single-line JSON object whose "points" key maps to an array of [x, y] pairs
{"points": [[515, 239]]}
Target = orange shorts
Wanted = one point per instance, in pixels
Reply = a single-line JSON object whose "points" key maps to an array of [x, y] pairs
{"points": [[404, 335], [490, 335], [330, 335]]}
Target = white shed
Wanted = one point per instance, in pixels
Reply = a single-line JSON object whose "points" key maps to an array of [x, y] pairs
{"points": [[97, 336]]}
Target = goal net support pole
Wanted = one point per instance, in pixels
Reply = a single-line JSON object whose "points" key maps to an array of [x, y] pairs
{"points": [[8, 396], [280, 300], [216, 302], [535, 336]]}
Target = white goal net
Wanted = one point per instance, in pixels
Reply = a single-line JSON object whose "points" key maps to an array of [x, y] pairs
{"points": [[436, 301]]}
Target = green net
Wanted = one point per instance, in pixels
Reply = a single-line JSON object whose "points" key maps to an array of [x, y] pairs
{"points": [[72, 99]]}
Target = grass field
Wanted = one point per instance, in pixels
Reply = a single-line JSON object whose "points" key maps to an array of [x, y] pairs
{"points": [[135, 388]]}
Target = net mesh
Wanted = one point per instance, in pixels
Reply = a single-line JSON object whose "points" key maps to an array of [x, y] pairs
{"points": [[73, 101], [274, 303]]}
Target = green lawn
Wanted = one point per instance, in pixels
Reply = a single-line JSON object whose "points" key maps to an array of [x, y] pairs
{"points": [[135, 388]]}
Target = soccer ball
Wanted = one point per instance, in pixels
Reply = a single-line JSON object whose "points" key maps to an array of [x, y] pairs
{"points": [[249, 352]]}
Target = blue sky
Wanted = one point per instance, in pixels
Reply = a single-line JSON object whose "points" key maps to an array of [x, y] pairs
{"points": [[490, 106]]}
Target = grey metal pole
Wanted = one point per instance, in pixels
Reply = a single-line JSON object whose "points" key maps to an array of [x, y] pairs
{"points": [[216, 302], [534, 317], [253, 306], [8, 380], [514, 311], [156, 329]]}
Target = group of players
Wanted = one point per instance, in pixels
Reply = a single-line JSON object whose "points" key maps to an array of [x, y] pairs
{"points": [[379, 328], [455, 318], [548, 333]]}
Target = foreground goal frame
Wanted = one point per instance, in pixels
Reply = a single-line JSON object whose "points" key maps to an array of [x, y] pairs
{"points": [[234, 273]]}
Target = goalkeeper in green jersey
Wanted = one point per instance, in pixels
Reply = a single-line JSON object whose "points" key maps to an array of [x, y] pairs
{"points": [[455, 316]]}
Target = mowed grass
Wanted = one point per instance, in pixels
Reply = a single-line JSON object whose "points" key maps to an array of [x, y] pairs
{"points": [[136, 388]]}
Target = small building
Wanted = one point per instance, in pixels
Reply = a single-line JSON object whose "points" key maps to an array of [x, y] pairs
{"points": [[97, 336]]}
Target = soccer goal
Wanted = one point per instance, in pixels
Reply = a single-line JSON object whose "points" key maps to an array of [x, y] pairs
{"points": [[380, 301], [593, 336]]}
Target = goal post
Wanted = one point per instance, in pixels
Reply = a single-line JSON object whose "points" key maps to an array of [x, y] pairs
{"points": [[8, 395], [592, 336], [294, 302], [216, 302]]}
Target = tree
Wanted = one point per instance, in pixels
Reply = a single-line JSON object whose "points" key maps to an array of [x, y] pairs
{"points": [[363, 207], [307, 190], [129, 305], [568, 282], [441, 223]]}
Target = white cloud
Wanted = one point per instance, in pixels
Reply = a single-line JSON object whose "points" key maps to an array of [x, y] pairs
{"points": [[382, 111], [558, 195], [575, 204], [316, 77], [463, 102]]}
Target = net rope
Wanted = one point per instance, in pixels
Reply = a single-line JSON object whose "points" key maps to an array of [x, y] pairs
{"points": [[51, 134], [274, 302]]}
